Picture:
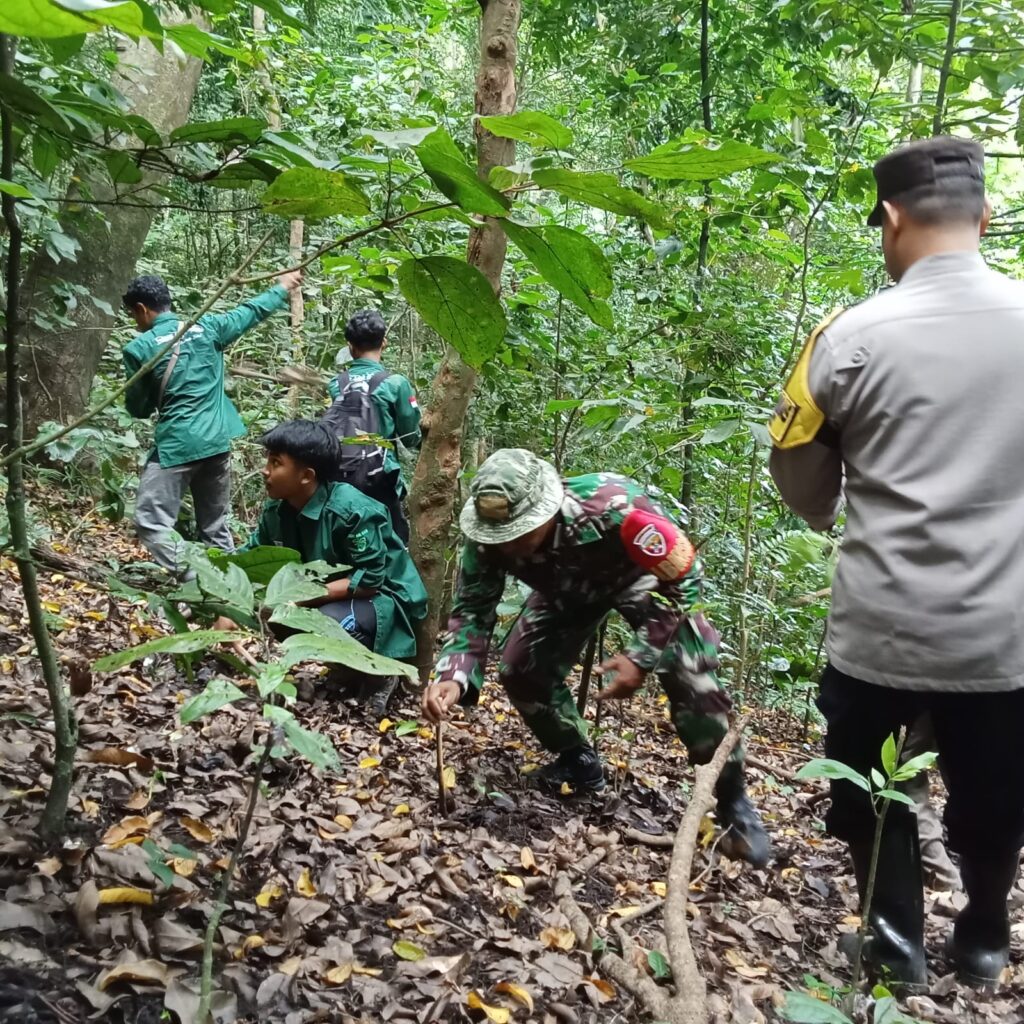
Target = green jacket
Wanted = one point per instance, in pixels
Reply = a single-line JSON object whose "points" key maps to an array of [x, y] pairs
{"points": [[396, 406], [341, 526], [197, 419]]}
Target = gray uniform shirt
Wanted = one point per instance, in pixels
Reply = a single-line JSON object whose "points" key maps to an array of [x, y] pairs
{"points": [[924, 386]]}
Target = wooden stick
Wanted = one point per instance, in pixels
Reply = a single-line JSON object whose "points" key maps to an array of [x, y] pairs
{"points": [[445, 802]]}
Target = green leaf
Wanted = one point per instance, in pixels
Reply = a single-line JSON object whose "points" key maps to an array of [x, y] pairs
{"points": [[804, 1009], [217, 694], [889, 756], [604, 192], [269, 678], [20, 98], [454, 178], [915, 766], [688, 161], [135, 19], [315, 748], [877, 778], [230, 129], [826, 768], [530, 126], [259, 563], [293, 582], [659, 964], [887, 1011], [123, 169], [403, 138], [307, 620], [41, 19], [314, 193], [571, 263], [176, 643], [157, 862], [12, 188], [408, 950], [895, 794], [458, 302], [406, 727], [342, 650], [719, 432]]}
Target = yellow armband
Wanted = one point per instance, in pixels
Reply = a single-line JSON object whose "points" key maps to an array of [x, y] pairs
{"points": [[797, 418]]}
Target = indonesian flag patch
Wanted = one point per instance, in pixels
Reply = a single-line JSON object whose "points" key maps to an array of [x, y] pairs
{"points": [[413, 402], [657, 544]]}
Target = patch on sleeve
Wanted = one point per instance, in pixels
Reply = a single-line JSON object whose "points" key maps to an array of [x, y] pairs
{"points": [[359, 542], [413, 402], [657, 544], [797, 418]]}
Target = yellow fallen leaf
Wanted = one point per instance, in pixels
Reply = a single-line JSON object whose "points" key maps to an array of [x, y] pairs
{"points": [[566, 789], [304, 886], [339, 975], [270, 892], [196, 829], [425, 733], [517, 992], [138, 972], [623, 911], [496, 1013], [250, 943], [558, 938], [51, 606], [97, 616], [130, 826], [127, 841], [448, 777], [401, 809], [852, 919], [291, 965], [184, 866], [369, 762], [373, 972], [742, 968], [707, 831], [327, 835], [527, 859], [659, 888], [513, 880], [125, 894], [385, 724], [408, 950], [343, 820], [527, 768], [138, 801], [7, 665]]}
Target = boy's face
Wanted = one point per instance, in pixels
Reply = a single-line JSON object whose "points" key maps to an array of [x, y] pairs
{"points": [[285, 478]]}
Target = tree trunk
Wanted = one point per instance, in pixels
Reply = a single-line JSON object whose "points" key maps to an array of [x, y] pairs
{"points": [[59, 365], [947, 67], [434, 484]]}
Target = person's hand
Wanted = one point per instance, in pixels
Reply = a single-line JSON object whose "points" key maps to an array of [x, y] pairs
{"points": [[626, 678], [290, 280], [223, 622], [438, 698]]}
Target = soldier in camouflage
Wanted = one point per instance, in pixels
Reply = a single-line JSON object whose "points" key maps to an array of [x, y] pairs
{"points": [[586, 546]]}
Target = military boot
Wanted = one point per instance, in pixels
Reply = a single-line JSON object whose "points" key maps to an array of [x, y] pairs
{"points": [[580, 767], [375, 693], [980, 944], [895, 945], [744, 836]]}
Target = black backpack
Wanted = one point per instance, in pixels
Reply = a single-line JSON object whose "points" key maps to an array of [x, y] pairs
{"points": [[352, 415]]}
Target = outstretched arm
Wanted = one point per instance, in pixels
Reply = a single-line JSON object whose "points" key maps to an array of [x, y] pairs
{"points": [[227, 328]]}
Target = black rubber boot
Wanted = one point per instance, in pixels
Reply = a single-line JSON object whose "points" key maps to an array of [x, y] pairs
{"points": [[744, 837], [895, 945], [375, 693], [980, 944], [580, 767]]}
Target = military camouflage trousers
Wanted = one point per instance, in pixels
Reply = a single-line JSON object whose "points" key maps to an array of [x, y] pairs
{"points": [[547, 640]]}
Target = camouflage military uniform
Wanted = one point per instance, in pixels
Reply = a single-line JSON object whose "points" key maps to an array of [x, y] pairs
{"points": [[591, 567]]}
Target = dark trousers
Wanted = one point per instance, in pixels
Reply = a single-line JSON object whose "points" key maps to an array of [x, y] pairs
{"points": [[399, 522], [356, 616], [977, 735]]}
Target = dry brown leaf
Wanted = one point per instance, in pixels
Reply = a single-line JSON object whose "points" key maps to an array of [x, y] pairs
{"points": [[49, 867], [304, 886], [343, 820], [371, 972], [606, 988], [126, 894], [496, 1013], [138, 801], [126, 828], [339, 975], [527, 859], [141, 972], [517, 992], [558, 938], [291, 965], [121, 758], [197, 830], [513, 880], [623, 911], [742, 968], [90, 808], [183, 866]]}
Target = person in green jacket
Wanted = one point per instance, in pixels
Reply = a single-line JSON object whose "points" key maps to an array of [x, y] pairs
{"points": [[367, 398], [196, 420], [380, 597]]}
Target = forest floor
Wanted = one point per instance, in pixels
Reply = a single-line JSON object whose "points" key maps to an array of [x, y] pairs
{"points": [[356, 900]]}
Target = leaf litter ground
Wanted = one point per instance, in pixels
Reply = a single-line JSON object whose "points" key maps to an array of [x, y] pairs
{"points": [[356, 900]]}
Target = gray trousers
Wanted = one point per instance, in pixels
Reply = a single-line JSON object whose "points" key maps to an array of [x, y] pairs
{"points": [[161, 492]]}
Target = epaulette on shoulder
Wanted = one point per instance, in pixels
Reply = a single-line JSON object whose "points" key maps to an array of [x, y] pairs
{"points": [[797, 418]]}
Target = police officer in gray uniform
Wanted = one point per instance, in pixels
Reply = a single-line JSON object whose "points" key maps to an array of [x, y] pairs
{"points": [[911, 403]]}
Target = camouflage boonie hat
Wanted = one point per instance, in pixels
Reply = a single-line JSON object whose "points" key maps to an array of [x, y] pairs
{"points": [[512, 493]]}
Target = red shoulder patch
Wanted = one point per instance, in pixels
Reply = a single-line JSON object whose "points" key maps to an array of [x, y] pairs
{"points": [[657, 544]]}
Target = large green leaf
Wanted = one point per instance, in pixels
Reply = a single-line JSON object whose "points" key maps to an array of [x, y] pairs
{"points": [[22, 99], [571, 263], [176, 643], [804, 1009], [259, 563], [826, 768], [691, 161], [46, 19], [134, 19], [294, 582], [230, 129], [404, 138], [307, 620], [447, 169], [217, 694], [12, 188], [314, 747], [313, 192], [604, 192], [458, 302], [538, 130], [342, 650]]}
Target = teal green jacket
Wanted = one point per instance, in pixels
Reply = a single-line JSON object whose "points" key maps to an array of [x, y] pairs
{"points": [[343, 527], [197, 418], [397, 410]]}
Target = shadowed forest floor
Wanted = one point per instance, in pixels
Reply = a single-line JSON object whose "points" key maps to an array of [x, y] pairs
{"points": [[356, 900]]}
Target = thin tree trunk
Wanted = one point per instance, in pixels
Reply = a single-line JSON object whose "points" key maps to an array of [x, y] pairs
{"points": [[947, 67], [51, 825], [59, 363], [434, 484]]}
